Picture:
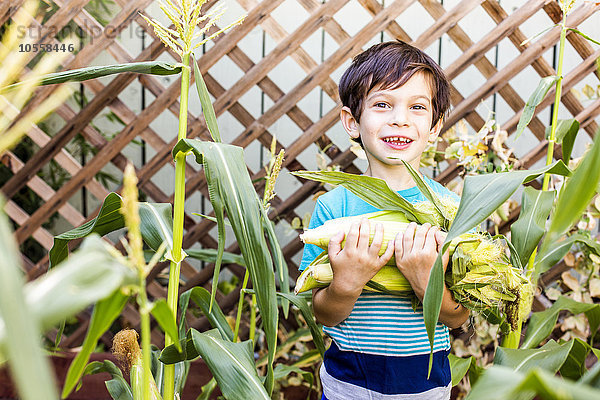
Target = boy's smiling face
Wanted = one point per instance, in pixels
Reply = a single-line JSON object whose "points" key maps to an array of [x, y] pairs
{"points": [[395, 125]]}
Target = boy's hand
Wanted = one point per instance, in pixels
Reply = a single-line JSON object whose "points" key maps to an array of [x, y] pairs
{"points": [[416, 251], [355, 264]]}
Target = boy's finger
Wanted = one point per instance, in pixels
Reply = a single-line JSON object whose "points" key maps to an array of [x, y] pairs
{"points": [[389, 252], [377, 239], [430, 244], [440, 237], [420, 235], [352, 236], [335, 244], [364, 234], [399, 246]]}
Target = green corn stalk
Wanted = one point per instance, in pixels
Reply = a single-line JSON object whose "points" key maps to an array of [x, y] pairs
{"points": [[185, 15], [513, 338], [136, 254]]}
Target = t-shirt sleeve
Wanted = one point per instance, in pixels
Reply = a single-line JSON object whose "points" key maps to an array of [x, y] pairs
{"points": [[320, 214]]}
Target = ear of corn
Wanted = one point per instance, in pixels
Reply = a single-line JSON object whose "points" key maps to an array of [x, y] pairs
{"points": [[480, 275], [393, 221], [127, 350], [388, 280]]}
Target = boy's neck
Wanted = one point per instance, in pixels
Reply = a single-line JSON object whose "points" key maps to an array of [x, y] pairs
{"points": [[397, 179]]}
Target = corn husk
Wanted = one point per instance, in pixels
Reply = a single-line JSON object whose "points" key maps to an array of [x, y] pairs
{"points": [[480, 275]]}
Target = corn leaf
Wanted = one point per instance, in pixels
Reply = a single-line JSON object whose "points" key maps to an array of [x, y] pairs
{"points": [[84, 74], [552, 255], [217, 319], [104, 314], [284, 348], [181, 373], [227, 177], [592, 376], [534, 100], [460, 366], [495, 316], [551, 356], [218, 202], [109, 219], [210, 255], [428, 193], [527, 231], [170, 354], [117, 387], [186, 351], [524, 42], [566, 131], [155, 226], [21, 344], [501, 383], [574, 366], [482, 195], [207, 390], [282, 371], [157, 368], [165, 318], [542, 323], [372, 190], [207, 107], [575, 196], [583, 35], [232, 365], [515, 261], [91, 274], [281, 267], [184, 300], [315, 331]]}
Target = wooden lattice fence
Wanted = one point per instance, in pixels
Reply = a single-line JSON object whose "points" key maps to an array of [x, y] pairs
{"points": [[275, 77]]}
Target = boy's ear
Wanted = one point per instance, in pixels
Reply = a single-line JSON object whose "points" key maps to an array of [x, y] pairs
{"points": [[435, 131], [349, 122]]}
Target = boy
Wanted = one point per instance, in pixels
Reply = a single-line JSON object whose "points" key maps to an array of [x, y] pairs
{"points": [[394, 99]]}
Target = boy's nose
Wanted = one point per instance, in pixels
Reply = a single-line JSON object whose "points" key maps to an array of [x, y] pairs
{"points": [[398, 117]]}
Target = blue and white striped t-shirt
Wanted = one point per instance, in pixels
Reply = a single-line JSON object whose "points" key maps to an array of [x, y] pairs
{"points": [[381, 325]]}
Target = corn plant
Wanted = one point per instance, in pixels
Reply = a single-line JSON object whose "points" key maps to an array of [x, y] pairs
{"points": [[92, 274], [183, 39], [161, 226]]}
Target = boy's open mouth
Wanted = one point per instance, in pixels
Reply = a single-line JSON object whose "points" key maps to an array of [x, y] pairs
{"points": [[397, 142]]}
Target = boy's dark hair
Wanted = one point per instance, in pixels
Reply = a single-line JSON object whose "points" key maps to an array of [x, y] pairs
{"points": [[390, 65]]}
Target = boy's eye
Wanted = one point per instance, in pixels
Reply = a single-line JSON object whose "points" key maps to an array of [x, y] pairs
{"points": [[419, 107], [380, 104]]}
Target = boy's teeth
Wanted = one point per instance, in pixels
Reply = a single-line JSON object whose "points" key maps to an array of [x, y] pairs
{"points": [[397, 139]]}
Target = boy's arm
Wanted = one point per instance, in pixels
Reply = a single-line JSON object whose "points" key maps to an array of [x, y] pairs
{"points": [[353, 266], [416, 250]]}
